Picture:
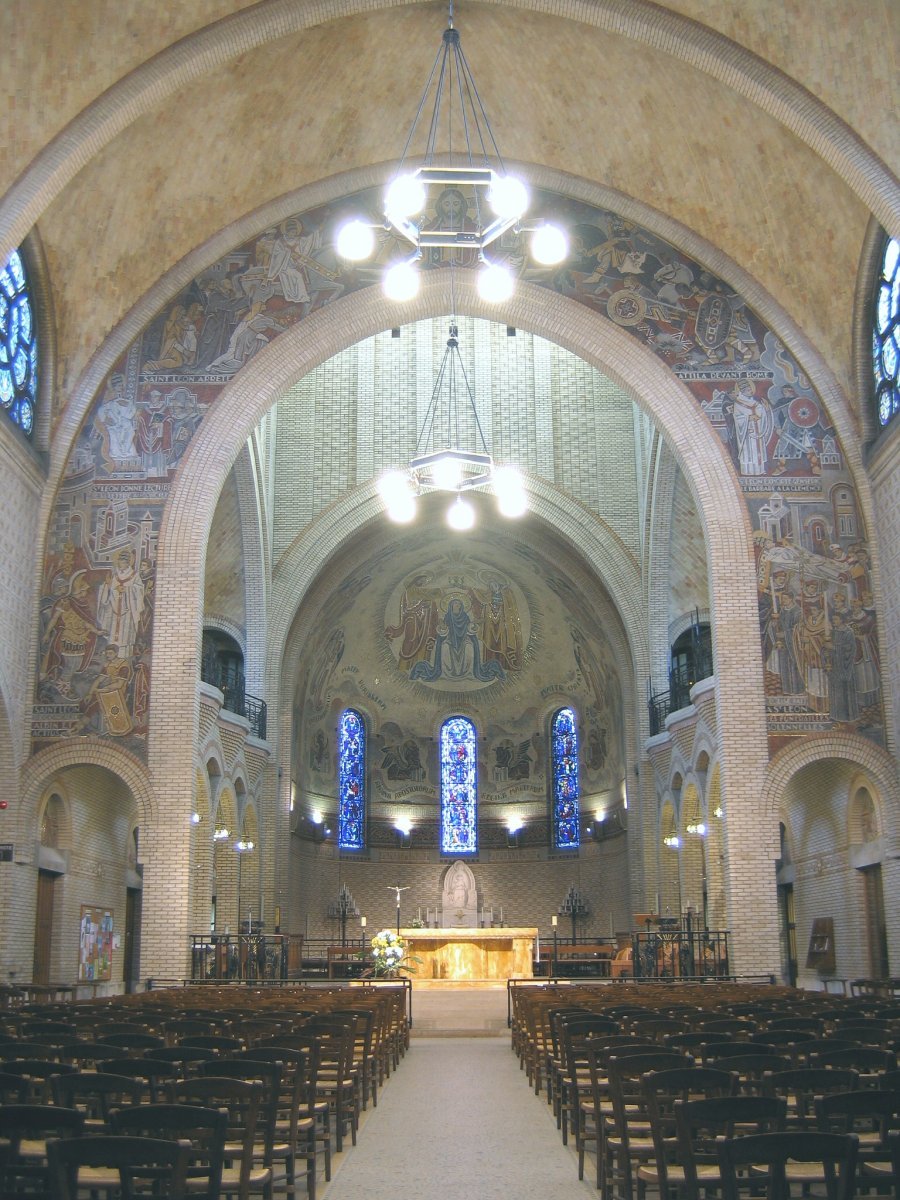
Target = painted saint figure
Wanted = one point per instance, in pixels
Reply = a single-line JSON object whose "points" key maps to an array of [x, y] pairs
{"points": [[120, 603]]}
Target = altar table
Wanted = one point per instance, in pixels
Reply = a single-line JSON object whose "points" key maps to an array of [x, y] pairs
{"points": [[472, 953]]}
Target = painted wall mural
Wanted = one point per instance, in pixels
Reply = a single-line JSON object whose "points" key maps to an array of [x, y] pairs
{"points": [[457, 627], [817, 620]]}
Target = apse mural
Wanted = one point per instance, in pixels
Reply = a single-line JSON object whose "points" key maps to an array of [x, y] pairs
{"points": [[457, 626], [817, 619]]}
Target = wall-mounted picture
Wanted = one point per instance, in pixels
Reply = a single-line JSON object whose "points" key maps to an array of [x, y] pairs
{"points": [[95, 944]]}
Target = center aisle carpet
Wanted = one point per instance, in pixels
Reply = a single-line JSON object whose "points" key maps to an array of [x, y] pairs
{"points": [[459, 1119]]}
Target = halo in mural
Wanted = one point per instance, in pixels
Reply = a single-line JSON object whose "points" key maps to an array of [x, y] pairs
{"points": [[458, 627]]}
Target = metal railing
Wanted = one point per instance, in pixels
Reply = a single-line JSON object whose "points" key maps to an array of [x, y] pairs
{"points": [[236, 698]]}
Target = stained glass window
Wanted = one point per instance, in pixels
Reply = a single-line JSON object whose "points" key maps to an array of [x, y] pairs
{"points": [[886, 334], [564, 740], [18, 345], [459, 787], [351, 781]]}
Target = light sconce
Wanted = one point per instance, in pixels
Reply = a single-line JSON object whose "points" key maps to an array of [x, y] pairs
{"points": [[697, 827], [220, 835], [243, 846], [195, 818], [672, 840]]}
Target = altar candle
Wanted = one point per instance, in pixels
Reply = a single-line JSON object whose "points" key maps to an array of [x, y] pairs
{"points": [[419, 914], [612, 932], [501, 914], [656, 910]]}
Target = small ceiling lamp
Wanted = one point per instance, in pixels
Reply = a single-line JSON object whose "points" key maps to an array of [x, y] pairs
{"points": [[470, 203], [451, 454]]}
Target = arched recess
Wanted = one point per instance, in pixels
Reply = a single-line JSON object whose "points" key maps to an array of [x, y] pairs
{"points": [[669, 897], [248, 851], [192, 57], [224, 873], [188, 513], [202, 874], [694, 883]]}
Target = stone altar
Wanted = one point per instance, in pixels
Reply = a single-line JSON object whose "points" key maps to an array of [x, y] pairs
{"points": [[472, 953]]}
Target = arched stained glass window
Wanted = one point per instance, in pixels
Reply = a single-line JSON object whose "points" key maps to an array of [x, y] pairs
{"points": [[18, 345], [351, 781], [886, 334], [564, 741], [459, 787]]}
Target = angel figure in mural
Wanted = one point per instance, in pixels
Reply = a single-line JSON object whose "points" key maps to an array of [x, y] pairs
{"points": [[417, 626]]}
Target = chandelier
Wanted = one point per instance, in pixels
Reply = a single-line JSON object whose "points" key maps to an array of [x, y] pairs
{"points": [[460, 209], [451, 453]]}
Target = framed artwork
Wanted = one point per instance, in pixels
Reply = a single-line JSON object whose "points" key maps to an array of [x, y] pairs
{"points": [[95, 944]]}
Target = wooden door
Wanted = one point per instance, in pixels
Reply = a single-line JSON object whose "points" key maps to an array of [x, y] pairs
{"points": [[131, 946]]}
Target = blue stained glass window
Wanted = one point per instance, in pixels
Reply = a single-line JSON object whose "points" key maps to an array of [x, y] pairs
{"points": [[351, 781], [18, 345], [886, 334], [459, 787], [564, 740]]}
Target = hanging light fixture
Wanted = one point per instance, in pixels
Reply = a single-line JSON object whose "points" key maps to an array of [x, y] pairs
{"points": [[477, 201], [451, 453]]}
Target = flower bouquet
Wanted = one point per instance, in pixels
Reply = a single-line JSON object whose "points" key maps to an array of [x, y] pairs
{"points": [[390, 956]]}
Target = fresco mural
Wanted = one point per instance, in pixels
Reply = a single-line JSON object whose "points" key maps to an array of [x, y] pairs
{"points": [[817, 620], [457, 626]]}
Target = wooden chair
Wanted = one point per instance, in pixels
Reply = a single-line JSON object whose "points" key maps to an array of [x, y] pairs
{"points": [[625, 1135], [25, 1129], [241, 1101], [661, 1090], [306, 1043], [137, 1041], [268, 1075], [750, 1068], [205, 1129], [698, 1124], [13, 1089], [136, 1166], [155, 1074], [37, 1073], [296, 1120], [95, 1094], [799, 1086], [755, 1162], [873, 1115]]}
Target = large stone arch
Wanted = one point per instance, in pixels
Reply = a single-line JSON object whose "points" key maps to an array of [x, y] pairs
{"points": [[189, 59], [189, 511]]}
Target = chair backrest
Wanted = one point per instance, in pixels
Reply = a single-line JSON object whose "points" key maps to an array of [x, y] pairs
{"points": [[714, 1048], [95, 1093], [239, 1099], [750, 1068], [698, 1123], [205, 1128], [661, 1090], [267, 1075], [155, 1073], [868, 1111], [835, 1152], [24, 1172], [859, 1058], [146, 1166], [801, 1085], [13, 1088], [38, 1073], [211, 1041], [138, 1040], [625, 1073]]}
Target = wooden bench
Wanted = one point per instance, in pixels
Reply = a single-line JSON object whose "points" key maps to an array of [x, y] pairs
{"points": [[582, 958], [345, 962]]}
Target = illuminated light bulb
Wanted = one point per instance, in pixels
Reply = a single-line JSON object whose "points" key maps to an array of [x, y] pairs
{"points": [[355, 241], [403, 825], [195, 818], [401, 282], [510, 492], [402, 511], [514, 824], [495, 284], [549, 245], [508, 197], [445, 472], [460, 515], [394, 487], [405, 197]]}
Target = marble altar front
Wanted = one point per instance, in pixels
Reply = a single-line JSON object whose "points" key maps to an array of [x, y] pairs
{"points": [[472, 953]]}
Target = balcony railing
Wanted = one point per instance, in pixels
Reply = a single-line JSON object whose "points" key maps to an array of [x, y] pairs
{"points": [[235, 698]]}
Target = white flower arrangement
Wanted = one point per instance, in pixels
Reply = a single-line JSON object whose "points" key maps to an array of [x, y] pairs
{"points": [[389, 954]]}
